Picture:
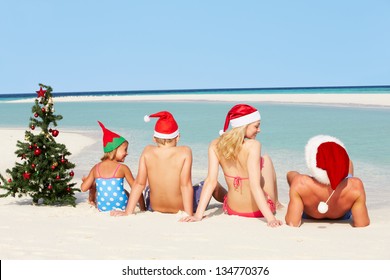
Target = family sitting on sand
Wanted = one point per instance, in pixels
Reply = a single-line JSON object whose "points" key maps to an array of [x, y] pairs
{"points": [[164, 176]]}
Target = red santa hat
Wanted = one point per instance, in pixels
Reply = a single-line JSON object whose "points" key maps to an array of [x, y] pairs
{"points": [[111, 140], [327, 159], [166, 126], [328, 162], [239, 115]]}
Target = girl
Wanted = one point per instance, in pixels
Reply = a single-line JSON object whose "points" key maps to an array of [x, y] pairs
{"points": [[251, 180], [105, 180]]}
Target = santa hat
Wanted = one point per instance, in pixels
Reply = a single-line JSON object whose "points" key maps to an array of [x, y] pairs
{"points": [[239, 115], [327, 161], [166, 126], [111, 140]]}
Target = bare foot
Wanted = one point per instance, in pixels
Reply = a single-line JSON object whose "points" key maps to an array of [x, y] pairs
{"points": [[279, 205]]}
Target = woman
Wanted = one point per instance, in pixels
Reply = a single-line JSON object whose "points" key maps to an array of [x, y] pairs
{"points": [[251, 179]]}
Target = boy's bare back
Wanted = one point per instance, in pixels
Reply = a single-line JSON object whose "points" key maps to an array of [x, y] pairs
{"points": [[168, 171]]}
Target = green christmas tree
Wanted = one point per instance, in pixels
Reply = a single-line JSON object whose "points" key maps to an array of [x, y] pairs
{"points": [[44, 172]]}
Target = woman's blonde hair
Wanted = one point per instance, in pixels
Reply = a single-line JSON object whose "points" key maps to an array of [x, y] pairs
{"points": [[230, 143], [112, 155]]}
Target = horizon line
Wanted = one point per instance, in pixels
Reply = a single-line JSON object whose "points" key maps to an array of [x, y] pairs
{"points": [[146, 91]]}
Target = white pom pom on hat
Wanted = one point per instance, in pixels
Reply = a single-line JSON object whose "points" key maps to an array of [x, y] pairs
{"points": [[323, 207], [146, 118]]}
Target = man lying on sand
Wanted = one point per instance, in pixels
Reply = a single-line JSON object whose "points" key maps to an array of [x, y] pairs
{"points": [[332, 181]]}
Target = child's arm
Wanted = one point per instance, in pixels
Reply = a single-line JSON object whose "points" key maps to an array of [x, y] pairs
{"points": [[136, 190], [253, 166], [88, 181], [130, 180], [187, 190]]}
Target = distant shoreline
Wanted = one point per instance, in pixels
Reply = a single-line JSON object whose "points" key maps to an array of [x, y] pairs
{"points": [[379, 89], [380, 100]]}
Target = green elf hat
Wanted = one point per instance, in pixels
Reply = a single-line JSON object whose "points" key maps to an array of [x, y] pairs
{"points": [[111, 140]]}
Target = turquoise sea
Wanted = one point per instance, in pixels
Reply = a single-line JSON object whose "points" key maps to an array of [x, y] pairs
{"points": [[285, 129]]}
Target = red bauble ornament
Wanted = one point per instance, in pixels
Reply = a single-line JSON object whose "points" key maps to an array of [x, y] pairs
{"points": [[37, 151], [36, 115], [58, 177], [30, 147], [9, 180], [33, 166], [68, 189], [32, 127], [55, 132], [26, 175], [53, 167], [49, 187], [43, 110], [71, 173]]}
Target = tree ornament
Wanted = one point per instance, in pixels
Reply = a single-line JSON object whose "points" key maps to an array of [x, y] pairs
{"points": [[41, 92], [26, 175], [43, 110], [33, 165], [50, 187], [53, 167], [55, 132], [58, 177], [36, 115], [37, 151], [71, 173], [32, 127]]}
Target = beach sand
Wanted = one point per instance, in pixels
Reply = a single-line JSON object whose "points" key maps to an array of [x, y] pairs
{"points": [[30, 232], [342, 99]]}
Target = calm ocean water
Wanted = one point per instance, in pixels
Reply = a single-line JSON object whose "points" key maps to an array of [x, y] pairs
{"points": [[285, 129]]}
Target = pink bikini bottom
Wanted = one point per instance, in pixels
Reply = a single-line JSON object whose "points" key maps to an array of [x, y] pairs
{"points": [[256, 214]]}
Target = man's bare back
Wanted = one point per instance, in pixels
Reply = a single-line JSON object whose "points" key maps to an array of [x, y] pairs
{"points": [[306, 193]]}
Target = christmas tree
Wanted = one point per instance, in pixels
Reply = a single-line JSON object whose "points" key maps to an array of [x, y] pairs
{"points": [[44, 172]]}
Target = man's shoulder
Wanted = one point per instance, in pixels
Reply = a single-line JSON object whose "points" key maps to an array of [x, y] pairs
{"points": [[301, 181]]}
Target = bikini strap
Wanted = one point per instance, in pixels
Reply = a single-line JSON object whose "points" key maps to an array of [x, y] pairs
{"points": [[237, 181], [113, 176]]}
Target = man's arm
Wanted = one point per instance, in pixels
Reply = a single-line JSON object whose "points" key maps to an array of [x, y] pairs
{"points": [[295, 206], [359, 208]]}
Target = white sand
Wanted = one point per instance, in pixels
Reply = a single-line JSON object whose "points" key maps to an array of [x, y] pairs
{"points": [[81, 232], [346, 99]]}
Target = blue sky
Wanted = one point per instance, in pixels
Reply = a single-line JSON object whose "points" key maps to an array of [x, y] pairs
{"points": [[92, 45]]}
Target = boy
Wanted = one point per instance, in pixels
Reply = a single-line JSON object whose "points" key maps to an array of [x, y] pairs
{"points": [[167, 169]]}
